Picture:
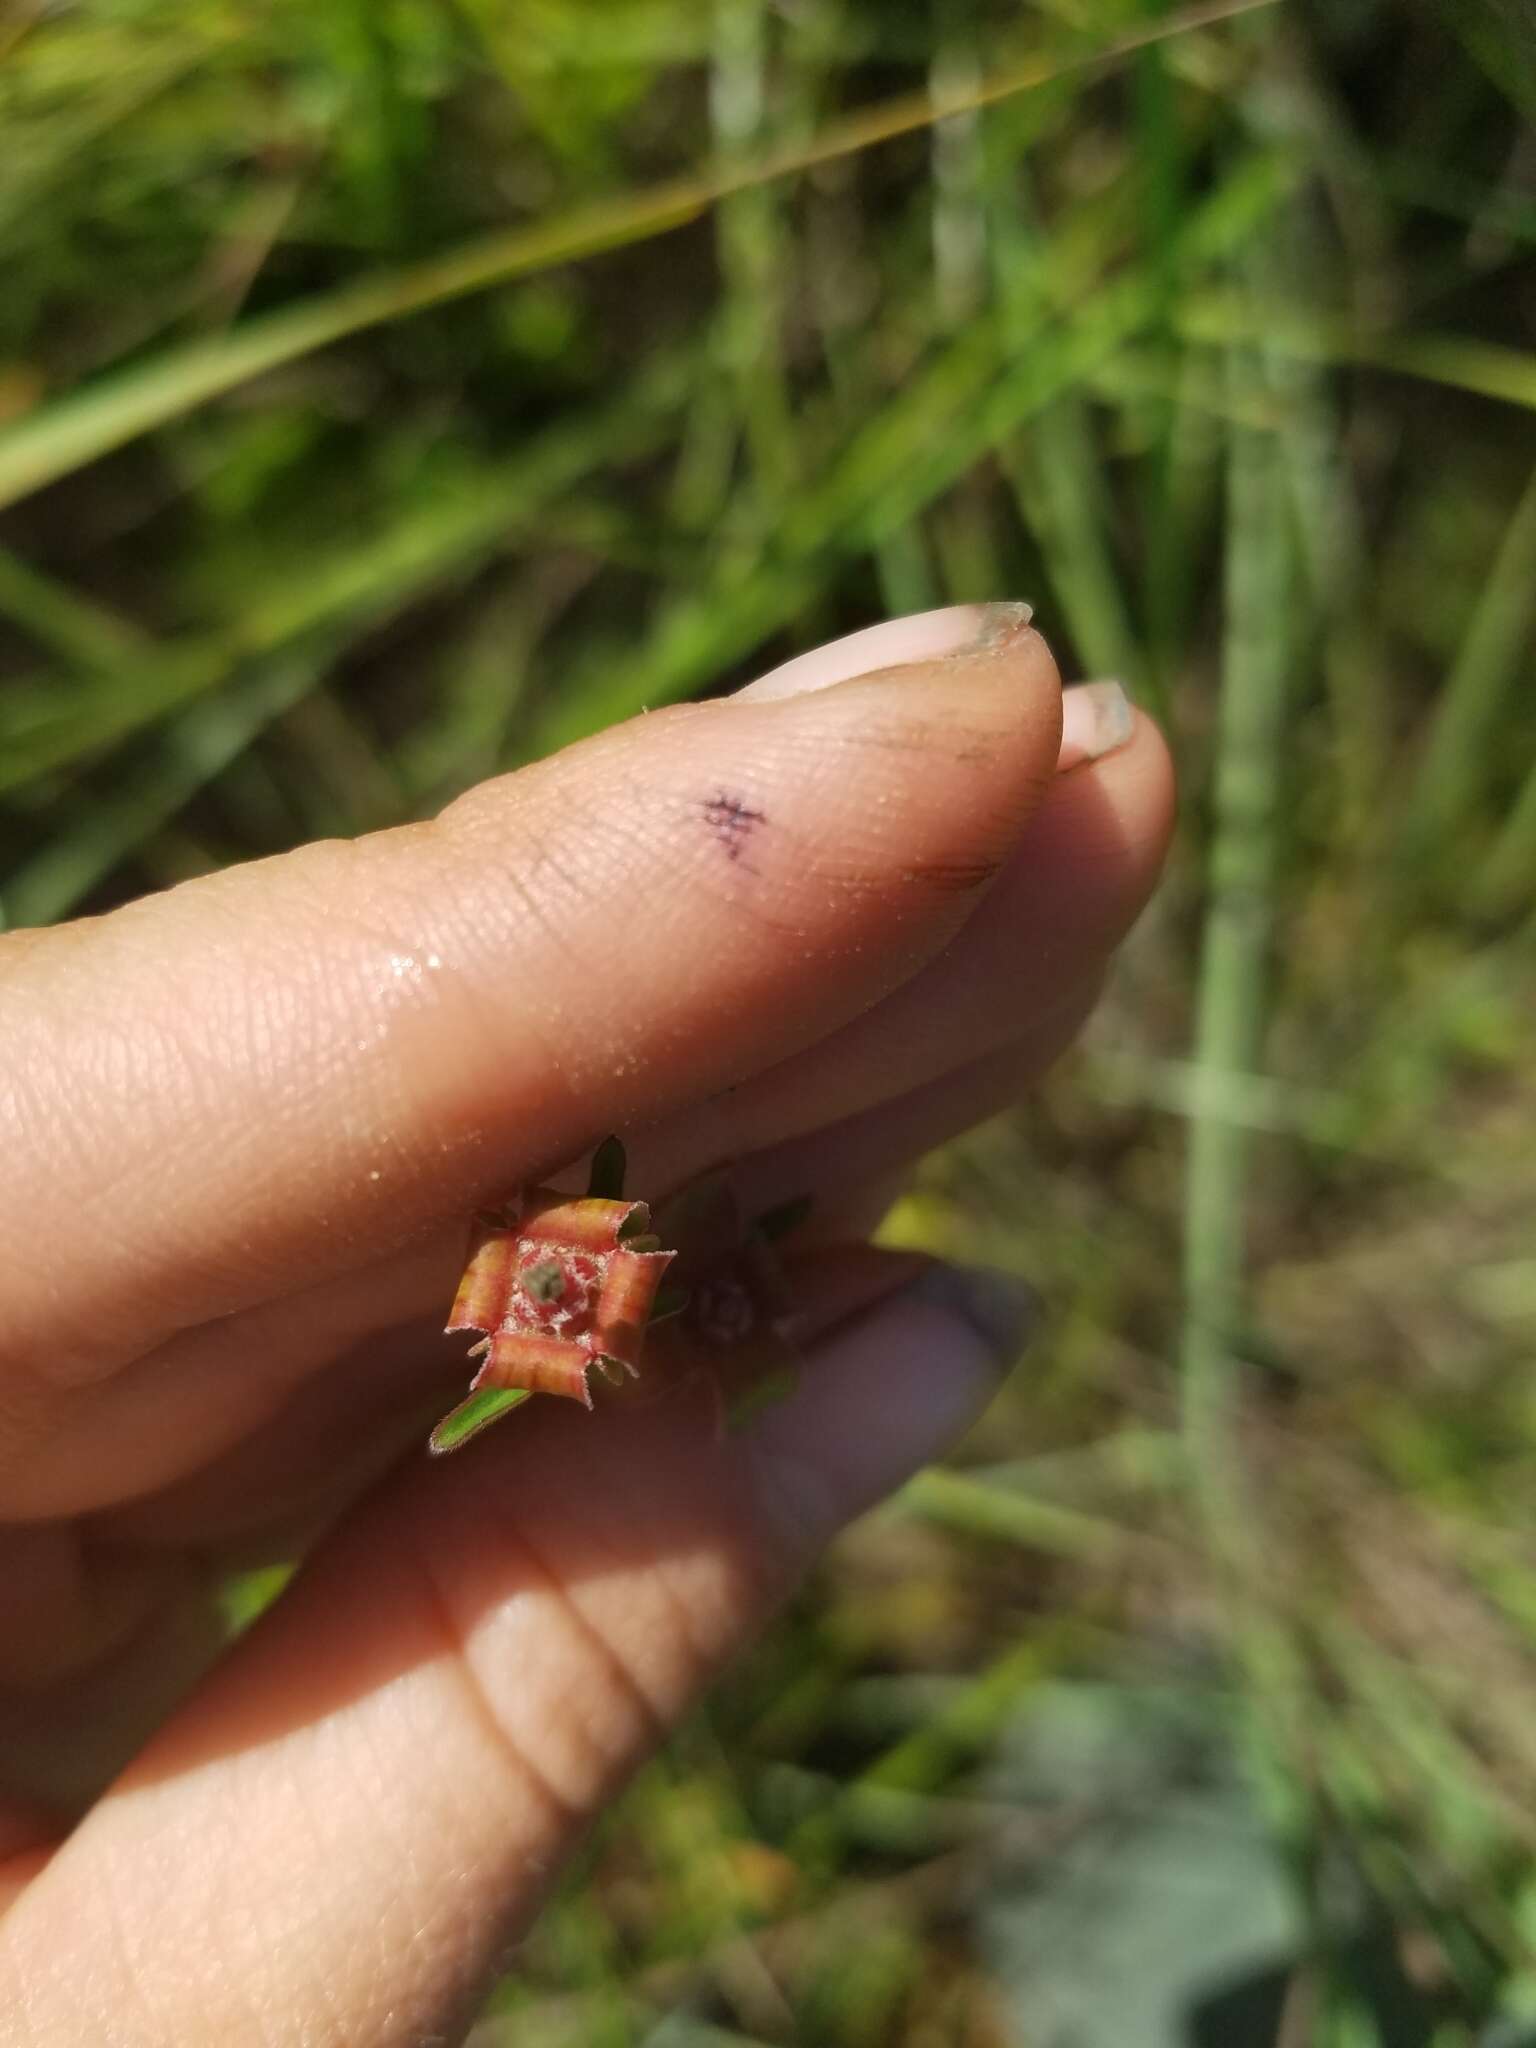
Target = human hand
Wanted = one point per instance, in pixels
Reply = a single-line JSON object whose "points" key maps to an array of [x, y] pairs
{"points": [[811, 929]]}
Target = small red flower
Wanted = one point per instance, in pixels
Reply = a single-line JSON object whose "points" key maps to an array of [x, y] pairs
{"points": [[565, 1286]]}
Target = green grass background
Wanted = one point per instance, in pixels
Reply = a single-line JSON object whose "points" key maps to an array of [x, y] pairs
{"points": [[391, 390]]}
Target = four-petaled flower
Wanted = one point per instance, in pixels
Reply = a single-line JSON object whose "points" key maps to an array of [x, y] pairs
{"points": [[561, 1287]]}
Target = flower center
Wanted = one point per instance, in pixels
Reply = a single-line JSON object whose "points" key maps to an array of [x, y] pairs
{"points": [[545, 1279], [557, 1290]]}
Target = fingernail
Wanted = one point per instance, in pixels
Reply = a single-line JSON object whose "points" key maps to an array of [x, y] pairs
{"points": [[1095, 719], [895, 643], [998, 625], [1002, 1309]]}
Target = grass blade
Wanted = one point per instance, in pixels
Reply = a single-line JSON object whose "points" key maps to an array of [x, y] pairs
{"points": [[1231, 1000], [42, 732], [198, 747], [61, 620], [50, 443], [942, 422], [1493, 654]]}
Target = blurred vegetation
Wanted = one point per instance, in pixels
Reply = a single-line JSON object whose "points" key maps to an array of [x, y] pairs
{"points": [[393, 389]]}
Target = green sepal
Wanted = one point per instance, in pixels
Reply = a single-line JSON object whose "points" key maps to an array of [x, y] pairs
{"points": [[642, 1241], [670, 1302], [473, 1415], [605, 1183]]}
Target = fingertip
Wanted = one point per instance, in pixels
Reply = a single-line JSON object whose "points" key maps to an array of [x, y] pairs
{"points": [[1138, 787], [1100, 840]]}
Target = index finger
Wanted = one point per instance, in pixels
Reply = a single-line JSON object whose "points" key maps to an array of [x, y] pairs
{"points": [[272, 1076]]}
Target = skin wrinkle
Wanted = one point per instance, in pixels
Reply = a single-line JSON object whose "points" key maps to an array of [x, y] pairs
{"points": [[247, 1401], [154, 1067], [432, 1938], [224, 1399], [516, 1754], [957, 878], [900, 733], [225, 1879], [435, 1934], [232, 1017], [744, 1590], [448, 997], [382, 1324], [500, 1738], [68, 1098], [412, 1134], [622, 833], [248, 1895], [123, 1913], [198, 1067], [548, 919], [613, 1677], [961, 876], [738, 1576], [753, 1579], [173, 1053], [619, 827], [240, 1985]]}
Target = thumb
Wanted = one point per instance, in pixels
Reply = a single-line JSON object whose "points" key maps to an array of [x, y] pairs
{"points": [[457, 1683]]}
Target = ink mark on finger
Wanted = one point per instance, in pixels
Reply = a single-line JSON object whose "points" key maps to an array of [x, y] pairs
{"points": [[732, 822]]}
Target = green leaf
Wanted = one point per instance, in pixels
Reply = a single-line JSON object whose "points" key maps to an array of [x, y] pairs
{"points": [[605, 1183], [473, 1415]]}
